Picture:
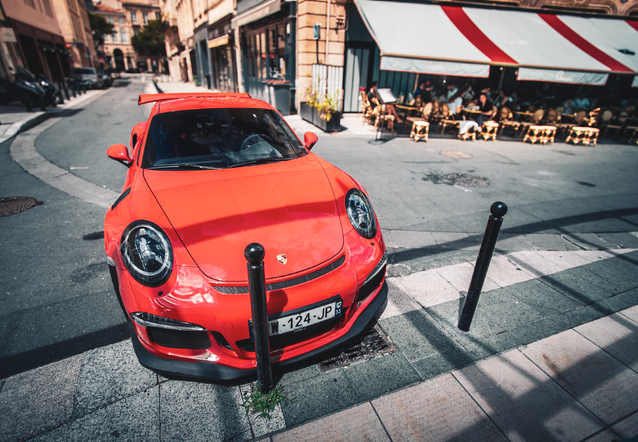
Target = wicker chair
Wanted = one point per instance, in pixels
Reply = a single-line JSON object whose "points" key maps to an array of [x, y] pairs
{"points": [[506, 119]]}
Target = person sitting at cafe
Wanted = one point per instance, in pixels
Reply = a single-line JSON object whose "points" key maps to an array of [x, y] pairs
{"points": [[373, 98], [582, 102], [455, 105], [451, 91], [486, 107]]}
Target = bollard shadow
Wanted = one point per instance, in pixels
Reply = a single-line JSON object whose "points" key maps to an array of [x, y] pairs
{"points": [[559, 224]]}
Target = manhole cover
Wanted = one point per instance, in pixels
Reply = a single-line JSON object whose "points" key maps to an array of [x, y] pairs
{"points": [[17, 204], [467, 180], [372, 344], [456, 154]]}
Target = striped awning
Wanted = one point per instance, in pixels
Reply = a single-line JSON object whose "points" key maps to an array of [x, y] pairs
{"points": [[465, 41]]}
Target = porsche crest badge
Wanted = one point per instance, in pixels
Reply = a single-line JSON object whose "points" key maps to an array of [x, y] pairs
{"points": [[282, 259]]}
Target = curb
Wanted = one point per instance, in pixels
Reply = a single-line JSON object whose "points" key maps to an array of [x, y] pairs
{"points": [[24, 124]]}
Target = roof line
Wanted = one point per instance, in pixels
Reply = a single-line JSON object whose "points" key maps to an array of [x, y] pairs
{"points": [[151, 98]]}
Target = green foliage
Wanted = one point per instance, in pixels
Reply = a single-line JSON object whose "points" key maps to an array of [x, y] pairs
{"points": [[99, 28], [150, 40], [263, 404], [326, 105]]}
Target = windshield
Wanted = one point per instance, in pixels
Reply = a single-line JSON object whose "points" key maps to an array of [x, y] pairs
{"points": [[219, 138], [85, 71]]}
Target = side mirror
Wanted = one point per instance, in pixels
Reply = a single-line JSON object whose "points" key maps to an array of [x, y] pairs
{"points": [[309, 139], [119, 153]]}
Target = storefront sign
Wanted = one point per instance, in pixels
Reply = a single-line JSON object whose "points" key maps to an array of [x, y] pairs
{"points": [[7, 35]]}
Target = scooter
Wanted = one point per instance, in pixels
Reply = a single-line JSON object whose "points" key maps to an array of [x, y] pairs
{"points": [[23, 88], [51, 94]]}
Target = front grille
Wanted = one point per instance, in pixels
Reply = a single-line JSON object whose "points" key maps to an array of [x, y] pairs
{"points": [[193, 340], [243, 290], [279, 341]]}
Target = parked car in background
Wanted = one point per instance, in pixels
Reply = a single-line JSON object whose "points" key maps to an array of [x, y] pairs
{"points": [[107, 80], [208, 174], [88, 77], [114, 74]]}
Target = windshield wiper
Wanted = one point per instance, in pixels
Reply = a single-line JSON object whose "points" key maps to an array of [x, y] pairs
{"points": [[259, 161], [183, 166]]}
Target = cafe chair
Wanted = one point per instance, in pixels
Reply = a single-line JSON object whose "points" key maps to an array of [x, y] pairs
{"points": [[506, 120]]}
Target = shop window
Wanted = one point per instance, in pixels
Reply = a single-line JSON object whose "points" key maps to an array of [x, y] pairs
{"points": [[263, 53]]}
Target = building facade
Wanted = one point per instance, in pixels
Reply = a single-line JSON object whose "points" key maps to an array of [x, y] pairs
{"points": [[32, 38], [128, 19], [74, 23]]}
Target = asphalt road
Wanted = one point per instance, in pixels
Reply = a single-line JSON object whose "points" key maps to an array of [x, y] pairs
{"points": [[56, 298]]}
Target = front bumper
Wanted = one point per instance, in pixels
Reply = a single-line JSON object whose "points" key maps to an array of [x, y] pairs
{"points": [[214, 372]]}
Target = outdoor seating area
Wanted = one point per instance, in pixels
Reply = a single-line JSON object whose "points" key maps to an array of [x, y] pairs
{"points": [[504, 116]]}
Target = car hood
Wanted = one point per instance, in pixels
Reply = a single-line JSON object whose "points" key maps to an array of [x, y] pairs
{"points": [[287, 207]]}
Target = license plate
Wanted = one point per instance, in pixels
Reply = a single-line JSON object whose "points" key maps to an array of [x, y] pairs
{"points": [[299, 321]]}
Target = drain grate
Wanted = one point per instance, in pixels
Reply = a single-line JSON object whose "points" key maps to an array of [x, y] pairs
{"points": [[467, 180], [17, 204], [374, 343]]}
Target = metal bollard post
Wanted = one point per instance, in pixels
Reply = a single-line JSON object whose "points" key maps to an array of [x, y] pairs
{"points": [[254, 254], [498, 210]]}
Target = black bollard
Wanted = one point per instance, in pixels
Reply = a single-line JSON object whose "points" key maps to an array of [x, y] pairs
{"points": [[498, 210], [254, 254]]}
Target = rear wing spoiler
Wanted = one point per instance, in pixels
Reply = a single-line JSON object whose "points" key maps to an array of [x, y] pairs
{"points": [[151, 98]]}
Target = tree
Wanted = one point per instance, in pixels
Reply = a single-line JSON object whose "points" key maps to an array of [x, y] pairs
{"points": [[99, 28], [150, 40]]}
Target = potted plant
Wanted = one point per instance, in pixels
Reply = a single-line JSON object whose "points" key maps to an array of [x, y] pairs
{"points": [[322, 112]]}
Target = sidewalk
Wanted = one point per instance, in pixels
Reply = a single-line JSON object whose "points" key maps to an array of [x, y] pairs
{"points": [[550, 356], [15, 119]]}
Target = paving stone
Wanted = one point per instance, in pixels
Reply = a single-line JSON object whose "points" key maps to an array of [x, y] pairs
{"points": [[440, 363], [579, 285], [524, 402], [131, 419], [595, 378], [569, 260], [319, 396], [510, 309], [627, 428], [631, 313], [615, 334], [505, 273], [417, 335], [38, 400], [452, 240], [583, 315], [358, 423], [550, 242], [408, 238], [534, 263], [588, 241], [202, 412], [542, 329], [620, 302], [399, 300], [429, 288], [460, 276], [438, 409], [109, 374], [604, 436], [539, 296], [622, 239], [381, 375], [619, 274]]}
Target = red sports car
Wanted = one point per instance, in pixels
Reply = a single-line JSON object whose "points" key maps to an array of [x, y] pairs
{"points": [[208, 175]]}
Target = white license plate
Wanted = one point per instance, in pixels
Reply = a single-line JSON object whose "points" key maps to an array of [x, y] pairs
{"points": [[304, 319]]}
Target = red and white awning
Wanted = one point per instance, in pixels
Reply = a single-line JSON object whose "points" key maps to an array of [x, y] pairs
{"points": [[454, 40]]}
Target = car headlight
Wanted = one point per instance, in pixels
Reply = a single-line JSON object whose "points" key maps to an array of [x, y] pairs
{"points": [[147, 253], [361, 213]]}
